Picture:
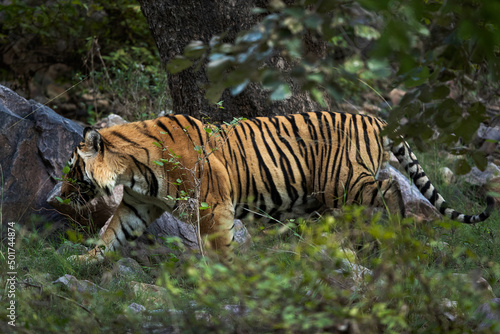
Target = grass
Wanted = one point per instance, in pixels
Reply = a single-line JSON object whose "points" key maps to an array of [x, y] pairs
{"points": [[293, 280], [135, 93], [481, 242]]}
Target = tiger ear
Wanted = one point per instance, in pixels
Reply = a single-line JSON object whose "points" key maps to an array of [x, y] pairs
{"points": [[93, 140]]}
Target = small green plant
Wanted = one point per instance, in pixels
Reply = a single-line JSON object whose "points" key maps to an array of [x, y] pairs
{"points": [[189, 186], [122, 71], [129, 81], [64, 178], [312, 281], [219, 104]]}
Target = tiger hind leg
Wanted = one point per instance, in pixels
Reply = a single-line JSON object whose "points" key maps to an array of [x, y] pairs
{"points": [[383, 194], [217, 228]]}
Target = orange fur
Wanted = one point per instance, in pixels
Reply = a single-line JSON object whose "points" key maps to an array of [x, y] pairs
{"points": [[276, 167]]}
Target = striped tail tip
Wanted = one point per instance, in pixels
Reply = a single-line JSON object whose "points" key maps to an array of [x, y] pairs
{"points": [[473, 219]]}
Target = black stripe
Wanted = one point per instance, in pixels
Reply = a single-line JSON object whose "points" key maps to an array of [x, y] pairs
{"points": [[149, 176], [128, 236], [266, 141], [196, 126], [327, 161], [379, 142], [255, 193], [284, 164], [292, 152], [359, 180], [401, 153], [116, 234], [339, 157], [359, 158], [136, 213], [268, 181], [262, 204], [367, 143], [313, 147], [126, 139], [145, 132], [164, 127], [425, 187], [443, 207], [434, 197], [132, 180], [375, 192]]}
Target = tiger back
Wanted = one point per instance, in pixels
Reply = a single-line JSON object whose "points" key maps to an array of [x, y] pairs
{"points": [[290, 166]]}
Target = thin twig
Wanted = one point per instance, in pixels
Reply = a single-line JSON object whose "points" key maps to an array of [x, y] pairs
{"points": [[83, 307], [376, 92]]}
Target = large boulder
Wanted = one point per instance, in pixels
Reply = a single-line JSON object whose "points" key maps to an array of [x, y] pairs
{"points": [[35, 143], [476, 177], [487, 137], [416, 204]]}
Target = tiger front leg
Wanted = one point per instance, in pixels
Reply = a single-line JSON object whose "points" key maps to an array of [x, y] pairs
{"points": [[217, 228], [127, 224]]}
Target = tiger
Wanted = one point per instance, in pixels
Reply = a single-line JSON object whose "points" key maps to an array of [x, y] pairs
{"points": [[275, 167]]}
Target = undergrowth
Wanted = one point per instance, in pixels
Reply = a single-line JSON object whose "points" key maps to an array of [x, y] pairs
{"points": [[301, 278], [480, 241], [129, 82]]}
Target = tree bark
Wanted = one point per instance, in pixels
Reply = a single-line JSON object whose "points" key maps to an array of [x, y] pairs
{"points": [[175, 23]]}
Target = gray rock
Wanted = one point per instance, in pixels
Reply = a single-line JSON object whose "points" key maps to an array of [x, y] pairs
{"points": [[415, 203], [447, 175], [35, 144], [153, 295], [476, 177], [241, 236], [478, 284], [488, 137], [136, 308], [129, 267], [489, 132], [81, 286], [125, 268], [168, 225], [449, 309], [488, 313], [110, 120]]}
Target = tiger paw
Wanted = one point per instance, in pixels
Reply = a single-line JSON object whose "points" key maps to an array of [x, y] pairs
{"points": [[93, 256]]}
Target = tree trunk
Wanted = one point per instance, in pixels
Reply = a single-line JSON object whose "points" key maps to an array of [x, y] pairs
{"points": [[175, 23]]}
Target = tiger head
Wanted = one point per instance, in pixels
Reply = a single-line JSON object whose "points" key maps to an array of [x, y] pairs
{"points": [[90, 173]]}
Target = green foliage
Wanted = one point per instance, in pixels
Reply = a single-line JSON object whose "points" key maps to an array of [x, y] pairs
{"points": [[297, 281], [295, 285], [479, 239], [133, 82], [426, 47], [63, 201], [121, 72], [188, 187], [116, 24]]}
